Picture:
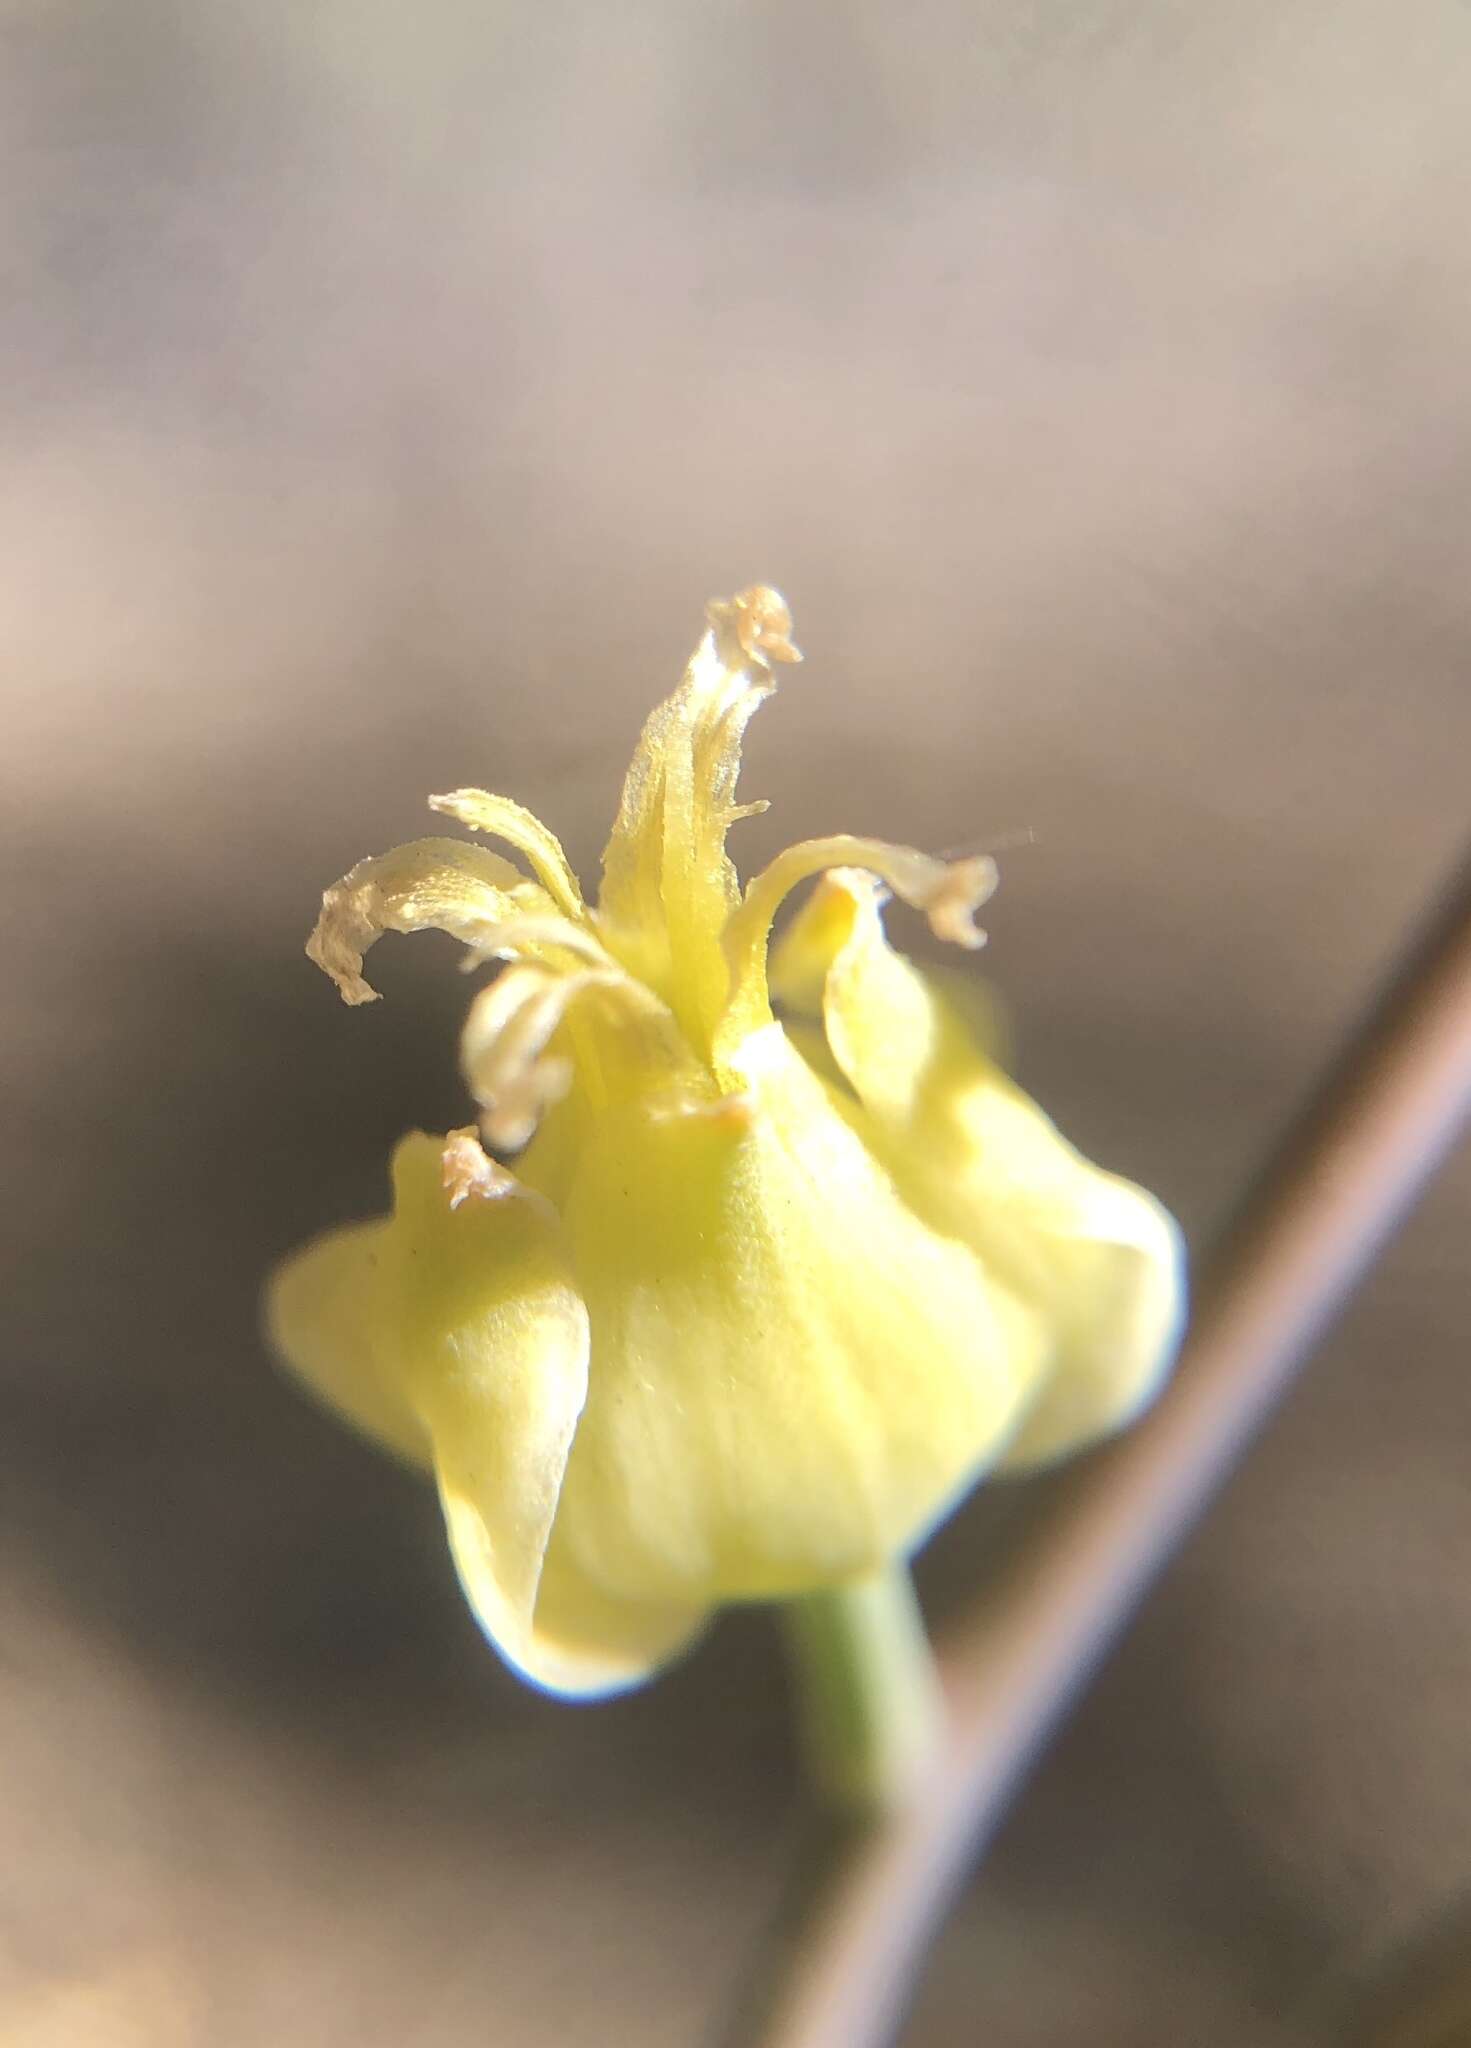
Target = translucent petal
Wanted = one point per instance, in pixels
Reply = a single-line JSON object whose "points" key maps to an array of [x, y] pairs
{"points": [[793, 1377], [1100, 1259], [438, 884]]}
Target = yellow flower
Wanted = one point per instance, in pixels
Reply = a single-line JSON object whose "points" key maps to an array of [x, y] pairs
{"points": [[762, 1298]]}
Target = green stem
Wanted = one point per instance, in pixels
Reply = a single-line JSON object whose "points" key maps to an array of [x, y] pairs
{"points": [[868, 1697]]}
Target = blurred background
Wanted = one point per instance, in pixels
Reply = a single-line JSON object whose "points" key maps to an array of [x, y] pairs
{"points": [[384, 390]]}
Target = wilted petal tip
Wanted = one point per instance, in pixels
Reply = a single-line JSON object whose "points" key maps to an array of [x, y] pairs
{"points": [[342, 934], [958, 892], [759, 622]]}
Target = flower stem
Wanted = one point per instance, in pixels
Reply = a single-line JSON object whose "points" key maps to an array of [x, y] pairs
{"points": [[868, 1698]]}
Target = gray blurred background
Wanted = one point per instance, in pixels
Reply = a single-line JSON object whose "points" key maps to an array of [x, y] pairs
{"points": [[383, 390]]}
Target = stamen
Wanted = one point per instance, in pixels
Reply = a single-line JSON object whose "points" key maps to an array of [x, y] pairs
{"points": [[469, 1173], [469, 1170], [503, 1050]]}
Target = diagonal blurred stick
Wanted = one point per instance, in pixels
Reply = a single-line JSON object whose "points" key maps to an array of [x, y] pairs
{"points": [[1375, 1130]]}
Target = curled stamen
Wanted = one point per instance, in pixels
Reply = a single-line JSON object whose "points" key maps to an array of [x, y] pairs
{"points": [[503, 1051]]}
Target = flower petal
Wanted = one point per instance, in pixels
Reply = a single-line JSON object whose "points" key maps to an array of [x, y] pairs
{"points": [[587, 1643], [520, 828], [439, 884], [948, 892], [1102, 1260], [668, 886], [455, 1334], [793, 1377], [330, 1317]]}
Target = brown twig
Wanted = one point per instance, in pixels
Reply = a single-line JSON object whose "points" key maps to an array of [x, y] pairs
{"points": [[1376, 1129]]}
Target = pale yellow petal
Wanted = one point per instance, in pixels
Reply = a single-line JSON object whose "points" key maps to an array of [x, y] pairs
{"points": [[948, 892], [454, 1332], [793, 1377], [668, 886], [493, 1348], [1100, 1259], [588, 1643], [520, 828], [802, 954], [331, 1316], [439, 884]]}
